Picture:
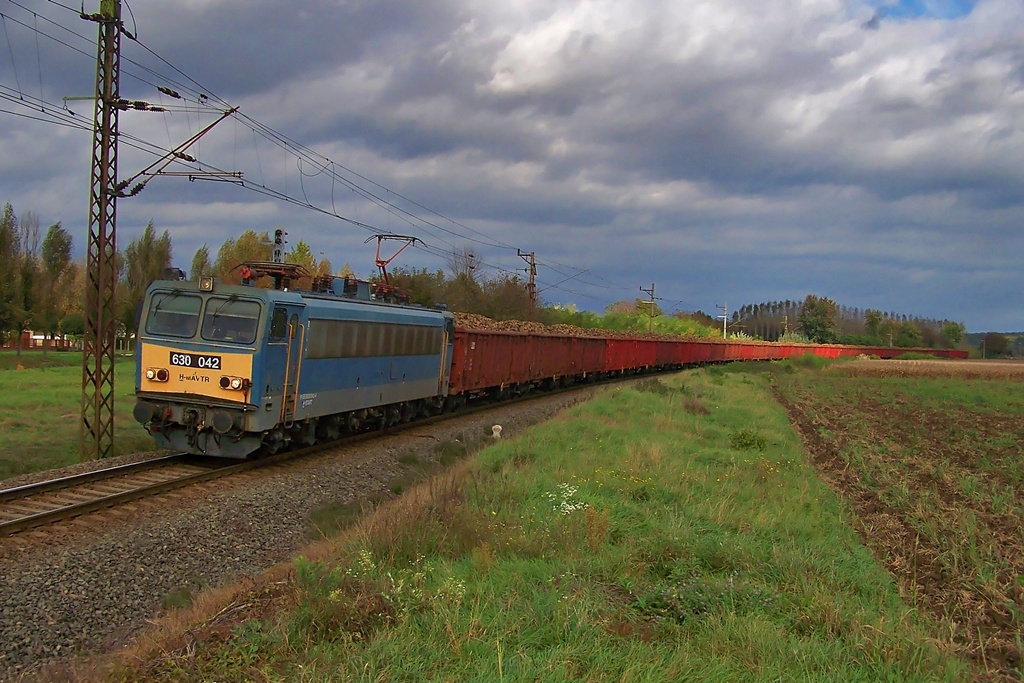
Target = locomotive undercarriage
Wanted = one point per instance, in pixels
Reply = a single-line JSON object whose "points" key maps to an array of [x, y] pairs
{"points": [[221, 431], [211, 429], [330, 427]]}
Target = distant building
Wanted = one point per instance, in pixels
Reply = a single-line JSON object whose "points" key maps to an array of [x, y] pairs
{"points": [[31, 340]]}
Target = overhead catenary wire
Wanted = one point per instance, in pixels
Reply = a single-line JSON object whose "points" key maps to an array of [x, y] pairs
{"points": [[299, 150], [70, 9], [10, 49], [200, 100]]}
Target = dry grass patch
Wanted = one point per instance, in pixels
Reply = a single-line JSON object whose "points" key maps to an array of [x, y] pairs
{"points": [[393, 528]]}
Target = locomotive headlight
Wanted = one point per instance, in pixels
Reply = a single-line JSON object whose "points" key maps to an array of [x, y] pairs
{"points": [[157, 374], [234, 383]]}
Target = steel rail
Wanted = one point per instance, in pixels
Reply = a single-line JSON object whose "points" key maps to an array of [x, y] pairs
{"points": [[217, 468], [84, 478], [61, 510]]}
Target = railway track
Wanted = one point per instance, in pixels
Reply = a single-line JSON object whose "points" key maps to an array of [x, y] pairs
{"points": [[59, 499], [56, 500]]}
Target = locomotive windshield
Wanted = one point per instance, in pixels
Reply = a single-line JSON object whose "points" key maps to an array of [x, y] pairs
{"points": [[231, 320], [173, 314]]}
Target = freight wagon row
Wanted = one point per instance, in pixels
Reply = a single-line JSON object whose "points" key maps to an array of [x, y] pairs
{"points": [[495, 362]]}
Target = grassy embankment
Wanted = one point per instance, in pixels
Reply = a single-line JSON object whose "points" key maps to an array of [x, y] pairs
{"points": [[40, 411], [670, 532]]}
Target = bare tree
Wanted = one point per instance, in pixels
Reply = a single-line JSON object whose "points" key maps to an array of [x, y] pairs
{"points": [[464, 262]]}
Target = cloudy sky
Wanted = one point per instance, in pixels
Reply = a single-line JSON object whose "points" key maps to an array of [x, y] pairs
{"points": [[728, 151]]}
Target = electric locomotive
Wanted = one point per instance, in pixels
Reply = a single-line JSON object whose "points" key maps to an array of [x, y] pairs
{"points": [[232, 370]]}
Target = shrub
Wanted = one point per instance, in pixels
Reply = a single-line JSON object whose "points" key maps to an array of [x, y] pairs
{"points": [[748, 440]]}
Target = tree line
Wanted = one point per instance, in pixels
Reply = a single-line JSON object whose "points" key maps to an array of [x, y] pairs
{"points": [[42, 289], [822, 320], [37, 275]]}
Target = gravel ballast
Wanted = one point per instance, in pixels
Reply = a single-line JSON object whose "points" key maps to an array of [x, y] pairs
{"points": [[90, 585]]}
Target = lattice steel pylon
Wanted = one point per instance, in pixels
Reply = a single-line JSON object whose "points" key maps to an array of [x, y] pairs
{"points": [[97, 427]]}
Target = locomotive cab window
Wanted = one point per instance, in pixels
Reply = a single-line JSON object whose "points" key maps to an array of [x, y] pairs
{"points": [[279, 324], [231, 320], [173, 314]]}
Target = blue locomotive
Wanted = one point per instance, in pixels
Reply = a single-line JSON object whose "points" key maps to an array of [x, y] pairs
{"points": [[229, 370]]}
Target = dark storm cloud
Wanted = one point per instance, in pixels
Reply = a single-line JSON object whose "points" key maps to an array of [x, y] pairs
{"points": [[746, 150], [239, 47]]}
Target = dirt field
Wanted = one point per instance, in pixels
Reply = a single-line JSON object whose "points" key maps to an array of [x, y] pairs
{"points": [[936, 492], [966, 369]]}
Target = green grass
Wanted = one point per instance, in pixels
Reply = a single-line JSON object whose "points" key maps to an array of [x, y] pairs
{"points": [[634, 538], [30, 360], [40, 411]]}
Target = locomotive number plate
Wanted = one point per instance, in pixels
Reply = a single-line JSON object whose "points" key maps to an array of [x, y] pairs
{"points": [[195, 360]]}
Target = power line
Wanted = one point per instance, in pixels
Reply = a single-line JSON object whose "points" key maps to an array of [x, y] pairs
{"points": [[10, 49], [202, 100], [300, 151], [70, 9]]}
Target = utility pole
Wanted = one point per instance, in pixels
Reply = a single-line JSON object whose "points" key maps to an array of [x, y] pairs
{"points": [[97, 426], [724, 308], [531, 286], [650, 323]]}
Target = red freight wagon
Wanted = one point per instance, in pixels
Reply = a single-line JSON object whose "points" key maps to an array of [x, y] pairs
{"points": [[706, 352], [484, 360], [629, 354], [680, 352], [666, 354], [588, 356], [690, 352], [749, 352], [647, 353], [618, 354]]}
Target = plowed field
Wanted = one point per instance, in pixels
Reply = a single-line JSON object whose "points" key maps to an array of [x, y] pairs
{"points": [[961, 369], [932, 466]]}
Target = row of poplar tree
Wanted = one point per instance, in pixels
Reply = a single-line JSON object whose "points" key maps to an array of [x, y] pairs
{"points": [[822, 320]]}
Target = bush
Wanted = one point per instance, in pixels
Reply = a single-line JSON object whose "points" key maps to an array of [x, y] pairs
{"points": [[748, 440]]}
